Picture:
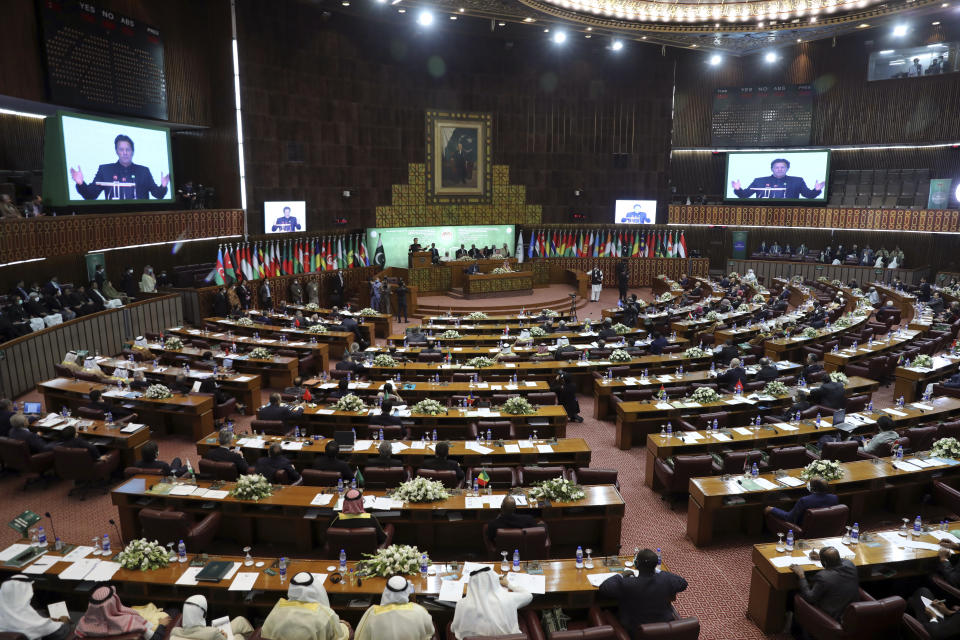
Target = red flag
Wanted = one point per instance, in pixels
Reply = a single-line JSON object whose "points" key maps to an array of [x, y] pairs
{"points": [[650, 241], [739, 387], [307, 396]]}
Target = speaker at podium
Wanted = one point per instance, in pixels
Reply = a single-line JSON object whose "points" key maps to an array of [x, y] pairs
{"points": [[419, 259]]}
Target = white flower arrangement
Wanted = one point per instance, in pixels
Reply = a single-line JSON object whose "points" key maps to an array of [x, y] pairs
{"points": [[397, 559], [144, 555], [694, 352], [774, 388], [798, 279], [619, 355], [733, 275], [253, 487], [826, 469], [557, 490], [836, 283], [822, 279], [384, 360], [450, 334], [843, 323], [317, 328], [245, 321], [860, 311], [537, 332], [476, 315], [421, 490], [640, 303], [428, 407], [550, 313], [517, 406], [173, 343], [665, 297], [758, 299], [838, 376], [621, 328], [501, 270], [675, 286], [157, 392], [350, 402], [923, 360], [810, 332], [946, 448], [712, 316], [661, 276], [704, 395], [856, 291], [261, 353], [368, 312], [479, 362], [312, 306]]}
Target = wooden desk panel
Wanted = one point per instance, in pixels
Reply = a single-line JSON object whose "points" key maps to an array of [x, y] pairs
{"points": [[837, 360], [485, 285], [320, 345], [381, 321], [128, 444], [911, 382], [789, 348], [277, 372]]}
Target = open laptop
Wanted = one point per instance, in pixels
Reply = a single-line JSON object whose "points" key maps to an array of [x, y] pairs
{"points": [[839, 423], [32, 408], [345, 439]]}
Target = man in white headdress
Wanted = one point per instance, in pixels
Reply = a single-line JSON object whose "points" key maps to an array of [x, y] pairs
{"points": [[18, 616], [193, 626], [490, 607], [750, 276], [395, 618], [305, 614]]}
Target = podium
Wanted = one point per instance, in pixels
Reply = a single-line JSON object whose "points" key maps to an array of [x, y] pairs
{"points": [[419, 259]]}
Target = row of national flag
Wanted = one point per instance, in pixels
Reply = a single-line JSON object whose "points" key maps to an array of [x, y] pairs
{"points": [[266, 259], [593, 243]]}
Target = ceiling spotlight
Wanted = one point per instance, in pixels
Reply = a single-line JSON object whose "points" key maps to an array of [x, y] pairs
{"points": [[770, 57], [501, 24], [937, 23], [900, 30], [529, 20], [401, 10], [453, 17], [425, 19], [715, 59], [560, 37], [462, 9], [617, 45]]}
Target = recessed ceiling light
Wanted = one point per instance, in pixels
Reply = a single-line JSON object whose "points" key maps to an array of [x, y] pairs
{"points": [[529, 20], [345, 3], [560, 37], [453, 17], [546, 30], [770, 57], [900, 30], [693, 46], [587, 35], [813, 19], [462, 9], [715, 59], [799, 40], [401, 10], [501, 24], [643, 37], [425, 18], [589, 28], [617, 45], [935, 23]]}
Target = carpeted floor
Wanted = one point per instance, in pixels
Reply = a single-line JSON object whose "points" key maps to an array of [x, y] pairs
{"points": [[718, 575]]}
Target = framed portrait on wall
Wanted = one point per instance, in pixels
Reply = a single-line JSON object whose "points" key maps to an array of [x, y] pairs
{"points": [[458, 166]]}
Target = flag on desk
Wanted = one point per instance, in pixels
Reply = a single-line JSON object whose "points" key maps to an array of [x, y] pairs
{"points": [[379, 257], [359, 477], [483, 478], [519, 252]]}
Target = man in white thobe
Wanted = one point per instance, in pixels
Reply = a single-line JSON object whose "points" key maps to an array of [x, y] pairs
{"points": [[395, 618]]}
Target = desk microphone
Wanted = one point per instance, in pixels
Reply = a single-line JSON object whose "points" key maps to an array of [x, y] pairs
{"points": [[57, 542], [117, 529]]}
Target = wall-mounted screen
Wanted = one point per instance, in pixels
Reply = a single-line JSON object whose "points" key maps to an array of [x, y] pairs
{"points": [[285, 217], [635, 212], [397, 240], [798, 176], [914, 62], [92, 160]]}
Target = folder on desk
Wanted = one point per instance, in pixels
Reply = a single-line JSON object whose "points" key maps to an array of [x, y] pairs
{"points": [[214, 571]]}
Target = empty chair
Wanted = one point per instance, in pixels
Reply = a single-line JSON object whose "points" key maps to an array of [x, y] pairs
{"points": [[677, 629], [542, 398], [737, 461], [594, 475], [271, 427], [949, 429], [857, 403], [162, 525], [532, 542], [384, 477], [355, 541], [75, 464], [527, 476], [218, 470], [317, 478], [701, 421], [499, 429], [674, 475], [447, 477], [787, 458], [500, 477], [844, 451], [921, 438]]}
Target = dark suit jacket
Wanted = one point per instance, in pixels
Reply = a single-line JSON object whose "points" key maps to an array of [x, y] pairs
{"points": [[278, 412], [79, 443], [811, 369], [441, 464], [657, 345], [384, 462], [5, 423], [346, 365], [812, 501], [162, 466], [727, 353], [268, 467], [829, 394], [730, 378], [768, 373], [512, 521], [33, 440], [103, 405], [220, 454], [832, 589], [386, 420], [323, 463], [644, 598], [607, 332], [950, 572]]}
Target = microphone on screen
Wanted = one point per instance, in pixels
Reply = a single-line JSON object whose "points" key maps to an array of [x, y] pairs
{"points": [[117, 529], [57, 543]]}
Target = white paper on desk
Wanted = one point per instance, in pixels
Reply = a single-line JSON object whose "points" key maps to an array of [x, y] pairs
{"points": [[722, 437], [78, 554], [922, 406], [182, 490], [244, 581], [528, 582], [103, 572], [596, 579], [510, 365], [233, 571], [450, 590], [525, 444], [783, 426], [942, 535], [894, 412], [497, 387], [361, 445], [915, 544], [397, 447], [520, 500], [79, 569], [189, 577], [903, 465], [917, 462], [842, 549], [12, 551], [734, 487], [529, 384], [665, 378], [786, 561], [494, 500], [471, 502], [200, 492], [664, 406], [326, 412], [892, 537], [545, 448], [458, 348], [790, 481], [321, 499], [58, 610], [40, 565], [291, 446], [479, 448], [764, 483], [690, 435], [132, 428], [213, 494], [742, 431], [511, 448]]}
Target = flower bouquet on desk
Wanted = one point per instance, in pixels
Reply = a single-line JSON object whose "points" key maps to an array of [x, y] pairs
{"points": [[253, 487], [173, 343], [245, 321], [537, 332], [384, 360], [758, 299], [369, 312], [312, 306], [550, 313], [826, 469], [261, 353], [501, 270], [428, 407], [856, 291], [733, 275], [517, 406], [838, 376], [844, 322], [476, 315], [775, 388], [810, 332], [144, 555], [676, 286], [619, 355], [836, 283], [621, 328], [557, 490], [397, 559], [317, 328], [157, 392], [350, 403], [823, 279], [946, 448], [923, 361], [479, 362], [665, 297], [421, 490], [704, 395], [694, 352], [450, 334], [712, 316]]}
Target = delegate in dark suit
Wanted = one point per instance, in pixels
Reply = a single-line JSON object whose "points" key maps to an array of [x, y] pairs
{"points": [[324, 463], [815, 500], [512, 520], [135, 174], [644, 598], [829, 394], [832, 589], [768, 373], [657, 345], [80, 443], [771, 187], [277, 411], [268, 466], [33, 440], [727, 353], [222, 454], [443, 464], [731, 377]]}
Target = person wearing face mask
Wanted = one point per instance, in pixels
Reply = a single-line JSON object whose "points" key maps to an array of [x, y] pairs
{"points": [[148, 283], [193, 626], [128, 283]]}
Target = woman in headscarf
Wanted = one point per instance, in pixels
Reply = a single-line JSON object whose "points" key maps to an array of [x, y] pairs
{"points": [[354, 515], [107, 616], [305, 614], [395, 618], [18, 616], [194, 623], [490, 608]]}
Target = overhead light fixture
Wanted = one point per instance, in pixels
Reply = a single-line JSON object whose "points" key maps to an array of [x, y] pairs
{"points": [[862, 25], [401, 10], [936, 23], [589, 28], [453, 17], [715, 59], [900, 30], [693, 46], [425, 19], [529, 20], [560, 37], [616, 45], [886, 52], [770, 57], [501, 24]]}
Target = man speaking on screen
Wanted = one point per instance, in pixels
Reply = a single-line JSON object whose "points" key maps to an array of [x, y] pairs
{"points": [[121, 180], [779, 185], [287, 222]]}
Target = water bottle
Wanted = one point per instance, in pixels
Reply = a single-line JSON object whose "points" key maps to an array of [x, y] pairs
{"points": [[354, 430], [181, 551], [900, 402], [353, 483], [105, 545], [680, 371], [489, 435], [340, 486], [41, 538], [796, 416], [579, 557], [434, 435], [424, 566], [283, 569], [790, 540], [380, 434], [476, 487], [818, 420], [669, 429], [108, 417], [870, 406], [343, 561], [659, 560], [757, 421], [296, 432], [754, 471], [516, 560], [713, 368], [855, 533], [186, 368], [715, 424], [899, 452], [64, 412], [802, 382], [917, 526]]}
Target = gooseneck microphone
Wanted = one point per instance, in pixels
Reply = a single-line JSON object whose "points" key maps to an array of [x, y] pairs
{"points": [[117, 529], [53, 531]]}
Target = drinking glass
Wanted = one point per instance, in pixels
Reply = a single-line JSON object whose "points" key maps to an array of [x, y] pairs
{"points": [[504, 565], [780, 547], [588, 562], [248, 560]]}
